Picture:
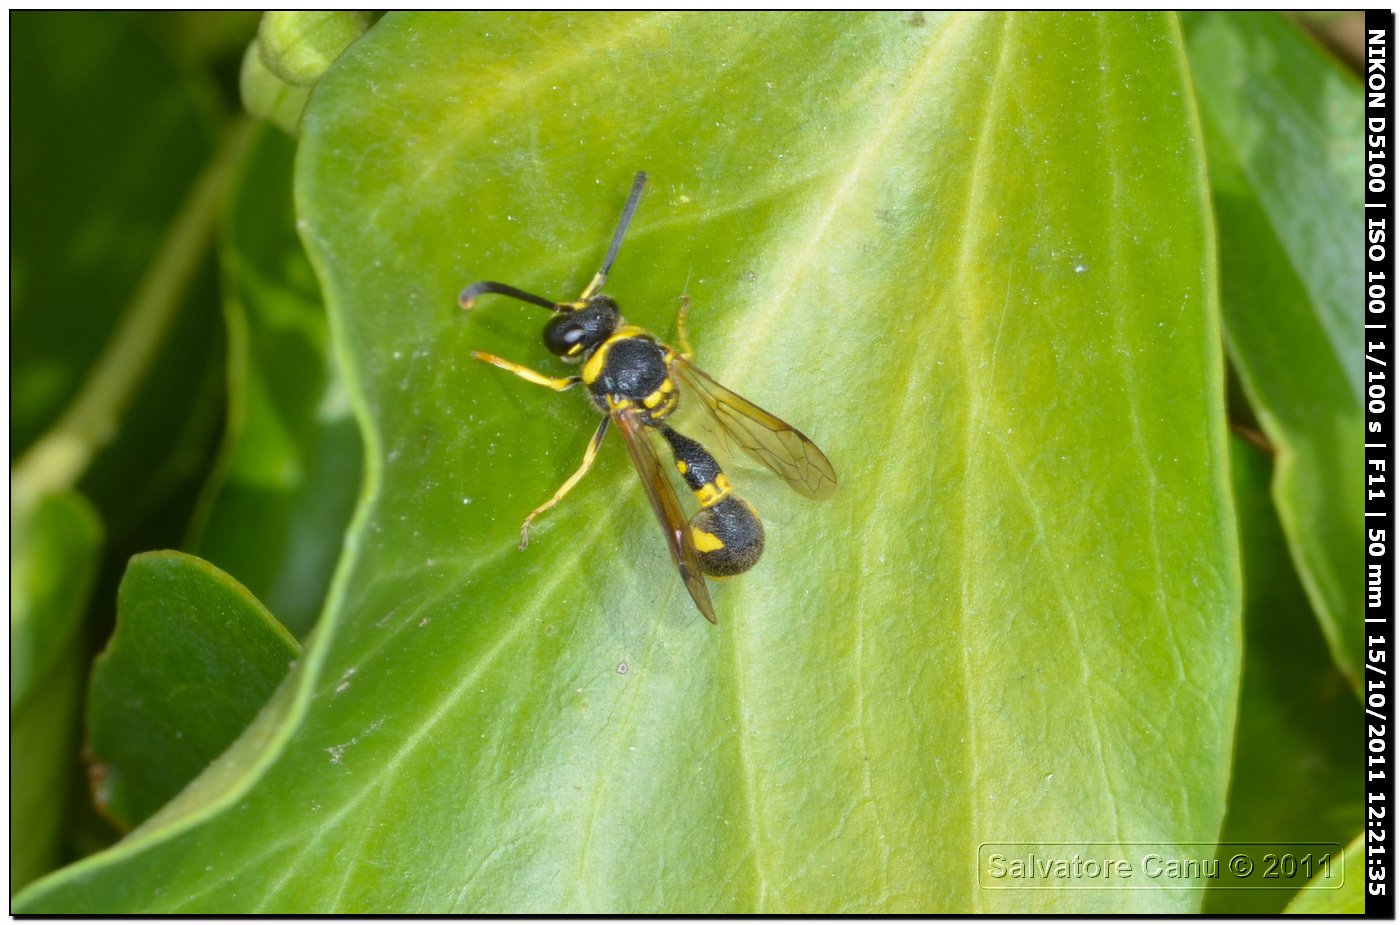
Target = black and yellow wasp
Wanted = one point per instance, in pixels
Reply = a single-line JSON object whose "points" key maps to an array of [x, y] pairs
{"points": [[637, 383]]}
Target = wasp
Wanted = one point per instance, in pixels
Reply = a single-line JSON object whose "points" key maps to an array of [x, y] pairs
{"points": [[636, 383]]}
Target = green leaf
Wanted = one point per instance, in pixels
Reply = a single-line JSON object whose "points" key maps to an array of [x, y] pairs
{"points": [[276, 512], [1283, 136], [1296, 761], [970, 256], [193, 660], [1321, 898], [54, 545]]}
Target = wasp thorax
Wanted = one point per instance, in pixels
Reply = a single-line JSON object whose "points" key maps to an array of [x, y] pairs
{"points": [[573, 334]]}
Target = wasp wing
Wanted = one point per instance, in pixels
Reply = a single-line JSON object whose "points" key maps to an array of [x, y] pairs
{"points": [[668, 509], [767, 438]]}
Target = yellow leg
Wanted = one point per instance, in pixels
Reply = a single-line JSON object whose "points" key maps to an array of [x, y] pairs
{"points": [[592, 288], [528, 374], [588, 456], [686, 350]]}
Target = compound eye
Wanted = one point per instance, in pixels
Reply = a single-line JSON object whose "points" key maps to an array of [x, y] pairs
{"points": [[564, 337]]}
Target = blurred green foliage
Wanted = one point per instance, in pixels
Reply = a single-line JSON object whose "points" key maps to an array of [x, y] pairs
{"points": [[128, 139], [1039, 546]]}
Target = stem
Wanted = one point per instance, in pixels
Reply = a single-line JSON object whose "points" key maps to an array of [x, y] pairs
{"points": [[60, 457]]}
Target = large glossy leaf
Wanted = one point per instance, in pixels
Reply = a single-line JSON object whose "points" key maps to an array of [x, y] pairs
{"points": [[1296, 762], [1283, 131], [275, 513], [969, 255], [193, 660]]}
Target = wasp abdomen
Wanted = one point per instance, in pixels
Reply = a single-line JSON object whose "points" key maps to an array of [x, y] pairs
{"points": [[726, 531], [728, 537]]}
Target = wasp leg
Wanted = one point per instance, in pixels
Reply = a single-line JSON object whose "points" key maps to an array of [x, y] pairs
{"points": [[591, 289], [588, 456], [528, 374], [686, 350]]}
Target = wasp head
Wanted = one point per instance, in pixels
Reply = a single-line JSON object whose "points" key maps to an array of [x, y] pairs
{"points": [[574, 334]]}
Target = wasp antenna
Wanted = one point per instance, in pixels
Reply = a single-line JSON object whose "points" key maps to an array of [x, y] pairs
{"points": [[638, 184], [469, 294]]}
